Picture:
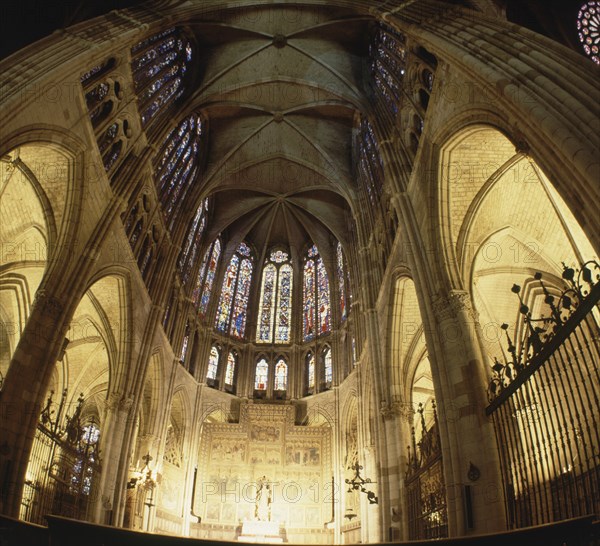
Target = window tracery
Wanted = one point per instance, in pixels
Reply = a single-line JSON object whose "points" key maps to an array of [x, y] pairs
{"points": [[310, 372], [316, 305], [281, 375], [87, 457], [206, 277], [275, 307], [102, 93], [588, 26], [262, 375], [191, 245], [388, 54], [185, 343], [177, 165], [327, 367], [341, 275], [172, 452], [232, 310], [213, 363], [230, 370], [158, 65], [370, 164]]}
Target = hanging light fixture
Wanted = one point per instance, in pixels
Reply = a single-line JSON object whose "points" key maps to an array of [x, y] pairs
{"points": [[357, 483]]}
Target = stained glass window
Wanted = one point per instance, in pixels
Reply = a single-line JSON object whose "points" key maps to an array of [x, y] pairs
{"points": [[284, 304], [327, 366], [275, 306], [110, 146], [82, 473], [341, 275], [323, 298], [309, 300], [370, 165], [184, 345], [281, 371], [206, 277], [588, 26], [213, 363], [266, 309], [232, 310], [94, 100], [191, 244], [238, 322], [158, 65], [95, 72], [230, 370], [310, 371], [316, 306], [262, 375], [354, 361], [387, 57], [176, 165], [227, 293]]}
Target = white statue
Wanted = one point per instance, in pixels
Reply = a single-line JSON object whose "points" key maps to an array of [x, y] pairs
{"points": [[264, 497]]}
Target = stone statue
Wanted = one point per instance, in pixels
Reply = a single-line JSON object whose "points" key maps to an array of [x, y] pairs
{"points": [[264, 497]]}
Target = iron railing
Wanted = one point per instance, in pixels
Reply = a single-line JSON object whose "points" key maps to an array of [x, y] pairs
{"points": [[426, 492], [545, 407], [63, 467]]}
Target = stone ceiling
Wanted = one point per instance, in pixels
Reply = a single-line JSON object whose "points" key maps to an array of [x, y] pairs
{"points": [[281, 87]]}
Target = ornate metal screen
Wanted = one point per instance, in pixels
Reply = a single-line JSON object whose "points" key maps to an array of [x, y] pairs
{"points": [[545, 407], [427, 513], [63, 467]]}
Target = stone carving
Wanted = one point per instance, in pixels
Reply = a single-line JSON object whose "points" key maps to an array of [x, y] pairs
{"points": [[227, 449], [265, 433], [237, 458], [396, 408], [460, 301], [48, 305], [172, 453], [442, 309], [263, 500]]}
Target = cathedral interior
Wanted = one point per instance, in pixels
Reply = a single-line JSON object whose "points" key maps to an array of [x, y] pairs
{"points": [[309, 272]]}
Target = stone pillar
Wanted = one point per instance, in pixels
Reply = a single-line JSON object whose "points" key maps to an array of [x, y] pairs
{"points": [[470, 437], [371, 521], [24, 391], [396, 425], [112, 434]]}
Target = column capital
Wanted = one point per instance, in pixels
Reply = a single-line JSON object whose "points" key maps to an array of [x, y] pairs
{"points": [[116, 402], [48, 305]]}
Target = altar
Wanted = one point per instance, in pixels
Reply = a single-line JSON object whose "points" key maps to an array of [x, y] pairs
{"points": [[265, 532]]}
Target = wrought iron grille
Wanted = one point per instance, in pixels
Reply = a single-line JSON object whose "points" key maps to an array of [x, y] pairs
{"points": [[64, 465], [427, 512], [545, 406]]}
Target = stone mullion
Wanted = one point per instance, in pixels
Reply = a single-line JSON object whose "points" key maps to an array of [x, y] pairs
{"points": [[254, 299], [249, 372], [215, 293], [205, 341]]}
